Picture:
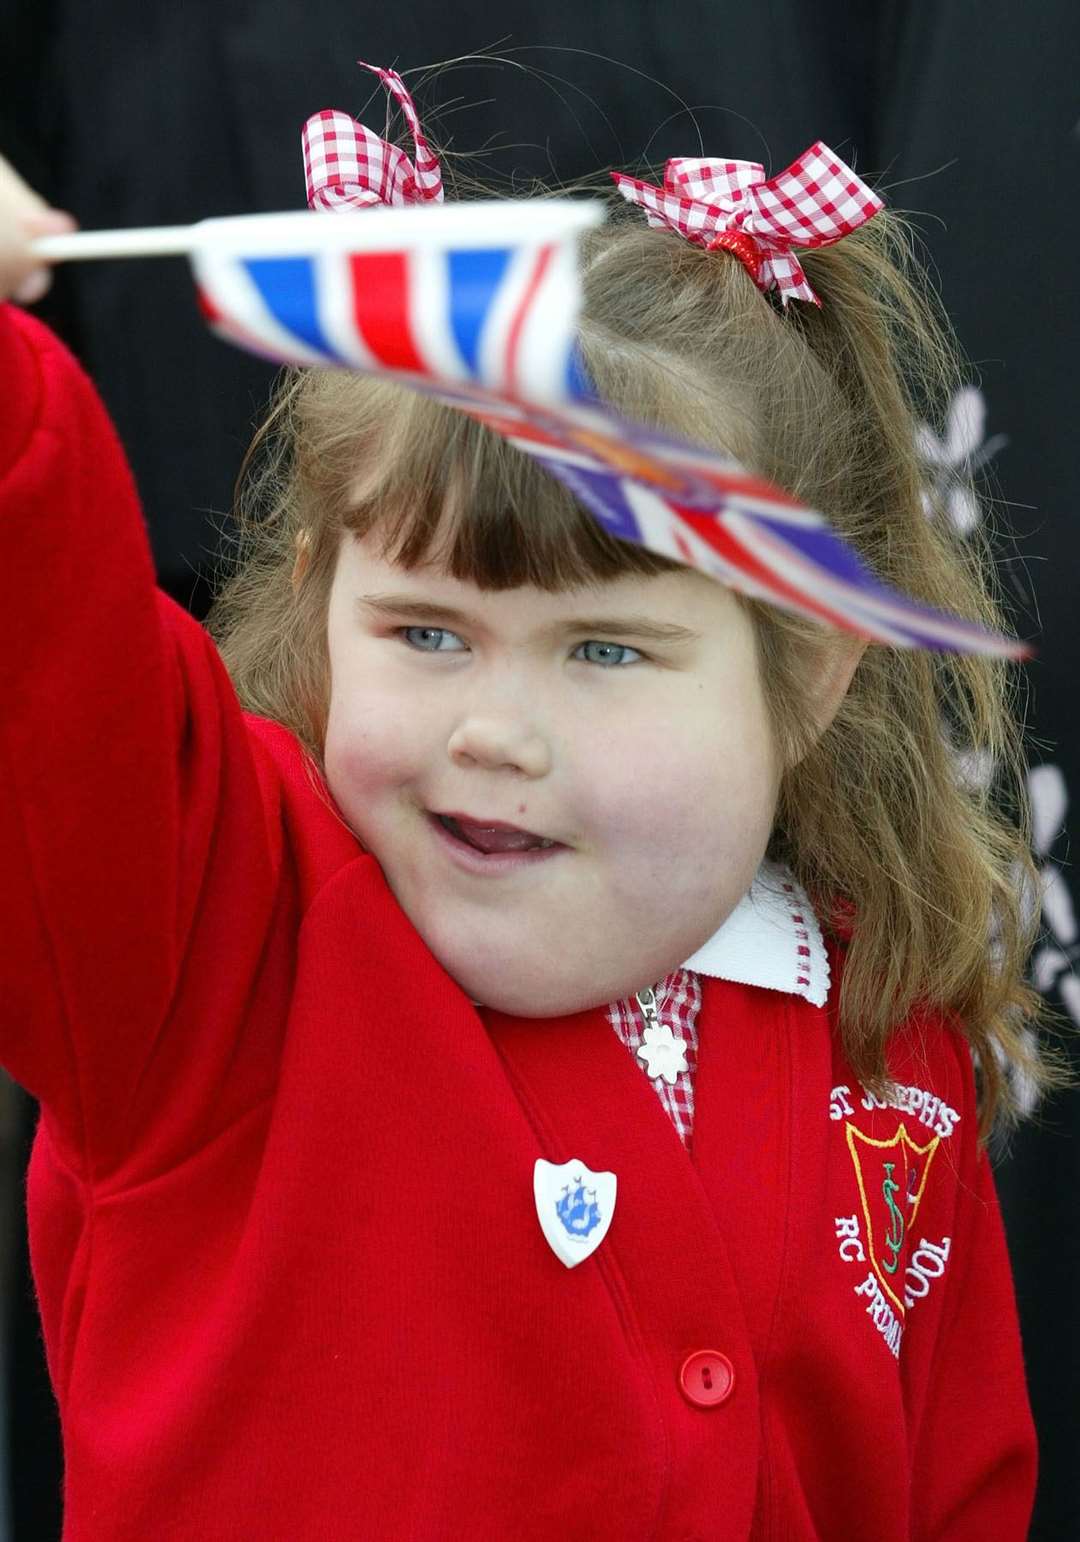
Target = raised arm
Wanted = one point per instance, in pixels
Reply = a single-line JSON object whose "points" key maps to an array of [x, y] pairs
{"points": [[121, 744]]}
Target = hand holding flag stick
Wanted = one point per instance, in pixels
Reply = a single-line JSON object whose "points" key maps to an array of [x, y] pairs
{"points": [[477, 304]]}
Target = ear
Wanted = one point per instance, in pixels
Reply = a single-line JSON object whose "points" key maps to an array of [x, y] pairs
{"points": [[828, 679], [303, 557]]}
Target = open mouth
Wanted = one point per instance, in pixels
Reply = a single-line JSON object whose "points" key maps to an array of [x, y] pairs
{"points": [[494, 838]]}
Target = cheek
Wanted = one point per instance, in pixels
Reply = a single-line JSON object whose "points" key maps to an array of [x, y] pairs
{"points": [[372, 743], [686, 792], [697, 787]]}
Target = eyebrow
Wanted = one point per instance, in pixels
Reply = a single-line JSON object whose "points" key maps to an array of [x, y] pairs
{"points": [[411, 607]]}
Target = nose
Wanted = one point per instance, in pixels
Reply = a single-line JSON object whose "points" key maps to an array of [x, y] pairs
{"points": [[498, 743]]}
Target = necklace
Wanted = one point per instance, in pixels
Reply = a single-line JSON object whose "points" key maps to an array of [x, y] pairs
{"points": [[663, 1054]]}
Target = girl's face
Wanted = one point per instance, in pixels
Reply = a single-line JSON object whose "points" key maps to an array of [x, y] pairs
{"points": [[568, 793]]}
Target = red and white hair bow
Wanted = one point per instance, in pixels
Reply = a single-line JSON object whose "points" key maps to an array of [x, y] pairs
{"points": [[730, 205], [347, 166]]}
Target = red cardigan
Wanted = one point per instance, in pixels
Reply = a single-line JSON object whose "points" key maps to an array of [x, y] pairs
{"points": [[283, 1231]]}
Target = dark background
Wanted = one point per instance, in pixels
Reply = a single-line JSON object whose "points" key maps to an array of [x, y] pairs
{"points": [[135, 113]]}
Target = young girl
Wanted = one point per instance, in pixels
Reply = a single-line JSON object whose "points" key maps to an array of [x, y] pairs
{"points": [[531, 849]]}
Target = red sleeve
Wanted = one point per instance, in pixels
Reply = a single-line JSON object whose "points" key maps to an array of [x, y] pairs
{"points": [[119, 734], [975, 1454]]}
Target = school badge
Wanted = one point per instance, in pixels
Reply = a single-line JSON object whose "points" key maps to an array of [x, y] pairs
{"points": [[891, 1175], [575, 1206]]}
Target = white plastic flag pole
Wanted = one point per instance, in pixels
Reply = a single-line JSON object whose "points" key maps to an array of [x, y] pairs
{"points": [[149, 241], [491, 223]]}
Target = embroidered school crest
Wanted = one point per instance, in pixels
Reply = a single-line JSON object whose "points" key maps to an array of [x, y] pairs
{"points": [[891, 1175]]}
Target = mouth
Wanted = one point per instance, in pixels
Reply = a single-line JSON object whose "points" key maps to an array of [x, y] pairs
{"points": [[491, 837]]}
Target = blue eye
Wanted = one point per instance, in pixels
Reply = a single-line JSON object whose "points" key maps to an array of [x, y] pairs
{"points": [[432, 639], [606, 654]]}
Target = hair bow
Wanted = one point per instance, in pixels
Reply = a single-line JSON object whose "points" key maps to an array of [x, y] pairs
{"points": [[730, 205], [347, 166]]}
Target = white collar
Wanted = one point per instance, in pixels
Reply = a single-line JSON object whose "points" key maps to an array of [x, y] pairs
{"points": [[771, 938]]}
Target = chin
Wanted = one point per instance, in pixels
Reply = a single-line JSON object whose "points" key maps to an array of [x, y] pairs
{"points": [[532, 985], [521, 984], [520, 992], [518, 1000]]}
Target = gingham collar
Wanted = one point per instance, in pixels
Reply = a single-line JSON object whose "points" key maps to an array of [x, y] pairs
{"points": [[771, 938]]}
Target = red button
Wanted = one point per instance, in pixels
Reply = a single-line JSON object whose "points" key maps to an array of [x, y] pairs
{"points": [[707, 1378]]}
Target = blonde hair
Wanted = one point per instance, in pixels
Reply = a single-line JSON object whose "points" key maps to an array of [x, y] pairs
{"points": [[876, 818]]}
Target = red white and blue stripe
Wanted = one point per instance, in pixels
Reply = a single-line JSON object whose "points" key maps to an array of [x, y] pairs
{"points": [[499, 315], [704, 510]]}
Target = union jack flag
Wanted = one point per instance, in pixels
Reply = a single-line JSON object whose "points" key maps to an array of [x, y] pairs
{"points": [[701, 509], [429, 297], [498, 311]]}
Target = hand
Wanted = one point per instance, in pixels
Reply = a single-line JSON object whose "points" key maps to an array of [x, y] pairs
{"points": [[23, 215]]}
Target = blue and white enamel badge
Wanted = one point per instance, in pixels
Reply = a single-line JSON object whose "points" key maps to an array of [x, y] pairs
{"points": [[575, 1206]]}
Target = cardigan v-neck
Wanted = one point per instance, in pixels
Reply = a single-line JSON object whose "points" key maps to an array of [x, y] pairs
{"points": [[771, 939]]}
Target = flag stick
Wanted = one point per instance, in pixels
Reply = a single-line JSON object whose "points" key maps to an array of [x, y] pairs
{"points": [[149, 241], [483, 223]]}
